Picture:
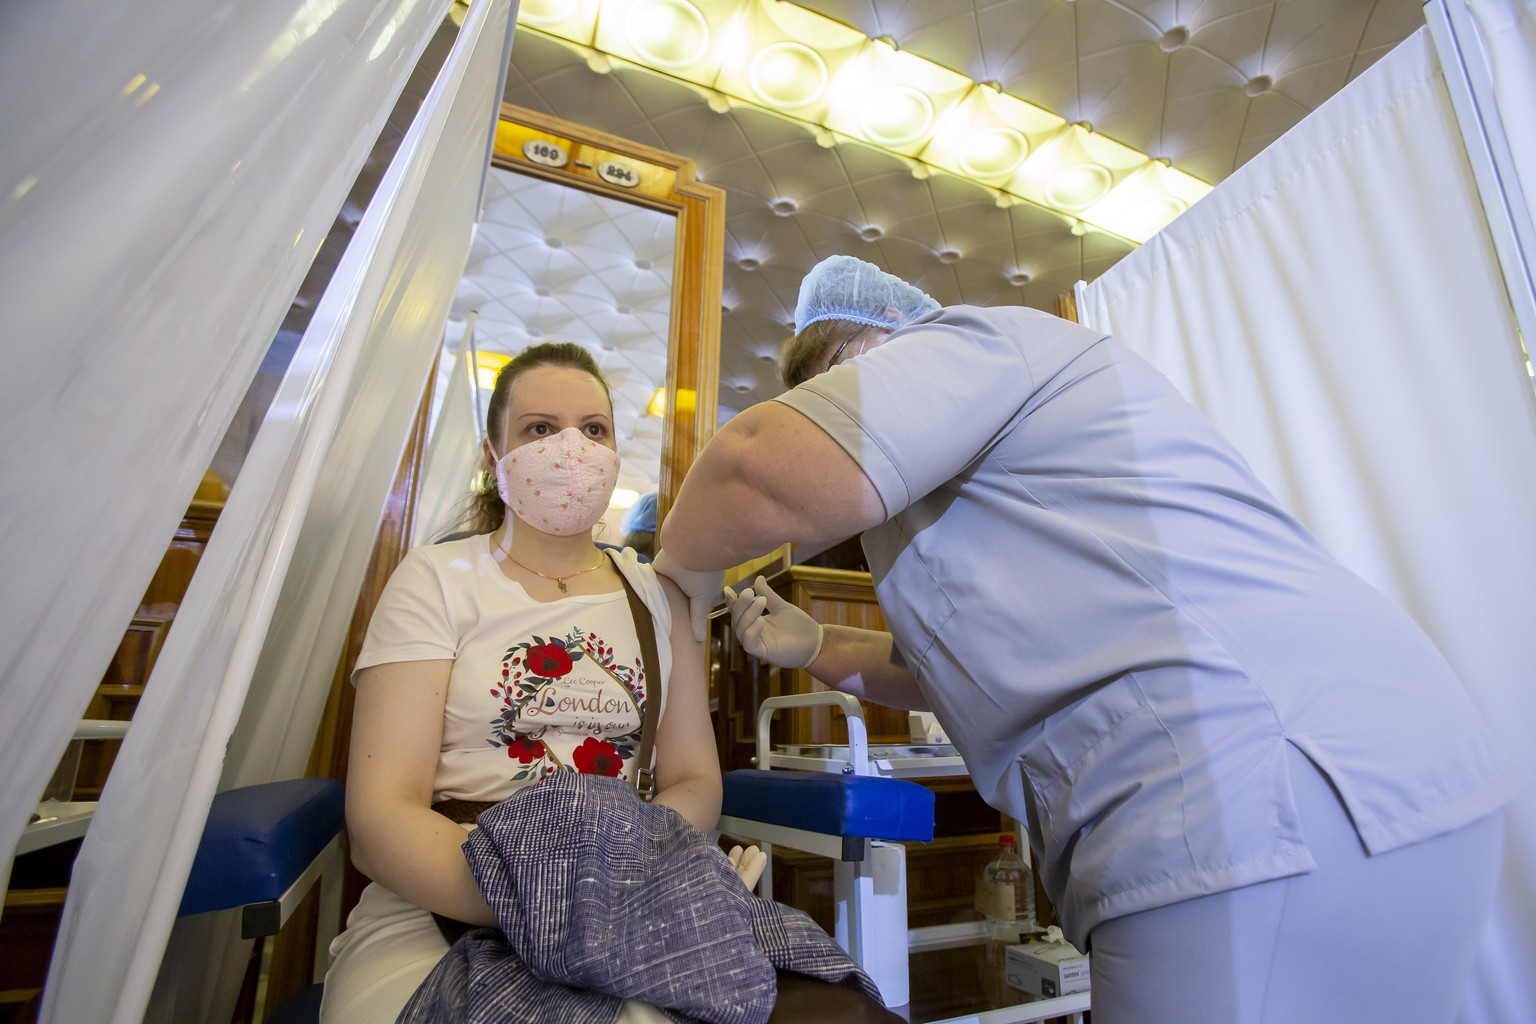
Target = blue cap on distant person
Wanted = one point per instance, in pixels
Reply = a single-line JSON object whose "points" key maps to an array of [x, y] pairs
{"points": [[641, 515], [848, 288]]}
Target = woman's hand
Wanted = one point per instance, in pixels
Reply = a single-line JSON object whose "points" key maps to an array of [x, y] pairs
{"points": [[772, 629], [748, 864]]}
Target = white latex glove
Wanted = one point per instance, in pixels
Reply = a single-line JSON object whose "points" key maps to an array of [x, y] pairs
{"points": [[701, 588], [772, 629], [748, 864]]}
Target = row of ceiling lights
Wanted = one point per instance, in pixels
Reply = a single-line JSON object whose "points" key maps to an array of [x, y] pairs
{"points": [[773, 55]]}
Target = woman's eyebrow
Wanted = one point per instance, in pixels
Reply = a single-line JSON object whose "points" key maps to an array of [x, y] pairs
{"points": [[550, 416]]}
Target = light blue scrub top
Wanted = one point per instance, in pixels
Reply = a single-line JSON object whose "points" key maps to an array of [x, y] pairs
{"points": [[1120, 629]]}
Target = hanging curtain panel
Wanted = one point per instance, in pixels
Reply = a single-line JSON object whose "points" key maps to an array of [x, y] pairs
{"points": [[165, 179], [1337, 309], [453, 449], [1488, 51], [258, 635], [406, 295]]}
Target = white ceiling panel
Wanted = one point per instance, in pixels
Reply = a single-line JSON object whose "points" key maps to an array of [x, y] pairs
{"points": [[1176, 79]]}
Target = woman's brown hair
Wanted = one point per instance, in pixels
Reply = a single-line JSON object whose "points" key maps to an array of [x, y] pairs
{"points": [[483, 509], [804, 355]]}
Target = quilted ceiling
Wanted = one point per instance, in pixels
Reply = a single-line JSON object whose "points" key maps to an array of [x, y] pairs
{"points": [[1204, 84]]}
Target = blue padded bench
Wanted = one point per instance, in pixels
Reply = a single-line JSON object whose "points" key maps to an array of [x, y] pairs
{"points": [[855, 817], [262, 848], [854, 808]]}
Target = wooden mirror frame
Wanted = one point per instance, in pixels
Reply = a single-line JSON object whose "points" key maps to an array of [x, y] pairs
{"points": [[669, 183]]}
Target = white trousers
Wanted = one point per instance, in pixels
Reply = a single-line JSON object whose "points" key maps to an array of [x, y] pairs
{"points": [[1384, 938]]}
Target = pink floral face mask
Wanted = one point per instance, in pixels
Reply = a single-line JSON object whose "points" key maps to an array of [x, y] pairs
{"points": [[559, 484]]}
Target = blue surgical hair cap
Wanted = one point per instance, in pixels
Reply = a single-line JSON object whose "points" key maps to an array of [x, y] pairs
{"points": [[848, 288], [641, 515]]}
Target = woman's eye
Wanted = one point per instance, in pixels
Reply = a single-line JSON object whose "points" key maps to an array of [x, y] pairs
{"points": [[539, 429], [596, 430]]}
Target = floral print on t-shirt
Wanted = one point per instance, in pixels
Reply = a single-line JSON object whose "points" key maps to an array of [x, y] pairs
{"points": [[567, 704]]}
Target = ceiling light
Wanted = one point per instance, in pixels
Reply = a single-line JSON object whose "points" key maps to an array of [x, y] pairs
{"points": [[988, 134], [668, 33], [788, 75], [575, 20], [656, 408], [673, 36], [841, 84], [1073, 169], [1075, 187], [896, 116], [995, 152], [545, 12], [891, 98], [1147, 200], [782, 56]]}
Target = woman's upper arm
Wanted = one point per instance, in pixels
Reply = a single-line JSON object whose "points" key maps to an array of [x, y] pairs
{"points": [[397, 731], [685, 737]]}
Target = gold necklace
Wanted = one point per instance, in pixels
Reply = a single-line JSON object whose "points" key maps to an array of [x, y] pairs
{"points": [[559, 580]]}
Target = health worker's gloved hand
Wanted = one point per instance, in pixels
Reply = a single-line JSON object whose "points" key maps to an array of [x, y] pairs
{"points": [[701, 588], [772, 629]]}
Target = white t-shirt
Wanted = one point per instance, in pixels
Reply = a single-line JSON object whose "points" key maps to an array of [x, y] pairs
{"points": [[535, 687]]}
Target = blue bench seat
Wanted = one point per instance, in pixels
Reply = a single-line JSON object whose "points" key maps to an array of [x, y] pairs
{"points": [[261, 843], [849, 806]]}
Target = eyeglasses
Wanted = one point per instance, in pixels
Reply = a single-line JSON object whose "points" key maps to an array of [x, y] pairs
{"points": [[838, 354]]}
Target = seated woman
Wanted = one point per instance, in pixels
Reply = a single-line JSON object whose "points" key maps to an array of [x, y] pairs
{"points": [[498, 659]]}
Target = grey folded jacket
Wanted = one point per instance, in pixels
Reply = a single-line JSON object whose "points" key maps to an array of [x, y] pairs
{"points": [[602, 897]]}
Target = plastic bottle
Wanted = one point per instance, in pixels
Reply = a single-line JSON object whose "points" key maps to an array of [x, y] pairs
{"points": [[1005, 898]]}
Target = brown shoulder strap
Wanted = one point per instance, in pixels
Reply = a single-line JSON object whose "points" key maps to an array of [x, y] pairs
{"points": [[645, 628]]}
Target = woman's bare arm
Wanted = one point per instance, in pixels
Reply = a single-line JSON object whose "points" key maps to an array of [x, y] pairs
{"points": [[397, 839], [687, 764]]}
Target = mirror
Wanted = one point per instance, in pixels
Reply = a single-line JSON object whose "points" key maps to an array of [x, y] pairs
{"points": [[590, 238]]}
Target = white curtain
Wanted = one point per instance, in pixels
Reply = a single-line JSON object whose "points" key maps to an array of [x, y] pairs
{"points": [[1337, 309], [452, 449], [1487, 49], [164, 184], [257, 637]]}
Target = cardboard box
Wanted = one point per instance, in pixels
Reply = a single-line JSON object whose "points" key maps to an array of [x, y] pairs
{"points": [[1047, 968]]}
